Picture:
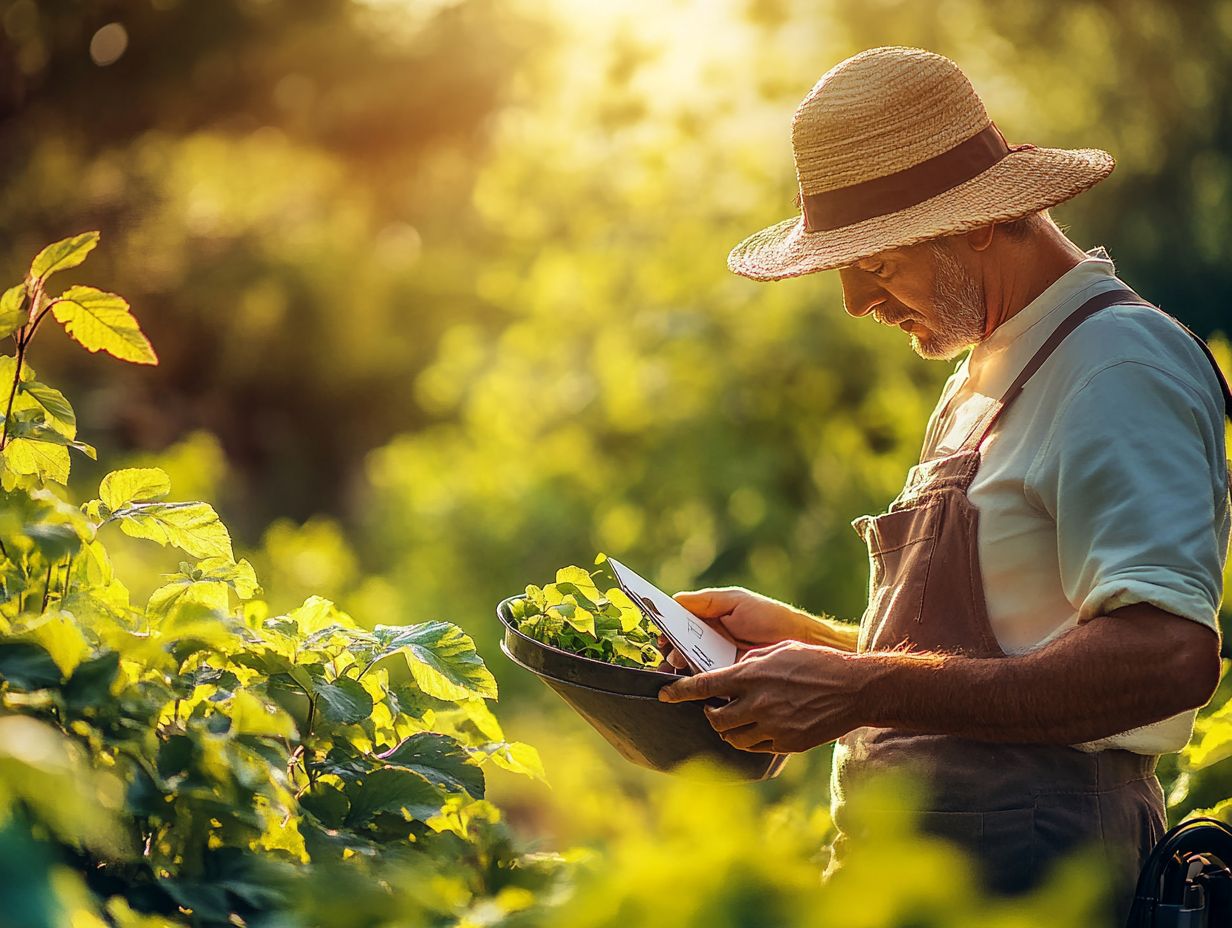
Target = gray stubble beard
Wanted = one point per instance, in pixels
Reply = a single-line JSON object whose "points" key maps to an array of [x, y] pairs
{"points": [[961, 312]]}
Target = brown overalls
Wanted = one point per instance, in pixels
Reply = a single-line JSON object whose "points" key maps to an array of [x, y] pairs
{"points": [[1016, 807]]}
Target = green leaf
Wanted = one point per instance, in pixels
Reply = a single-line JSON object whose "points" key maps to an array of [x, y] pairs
{"points": [[90, 684], [328, 803], [44, 454], [343, 701], [517, 757], [55, 406], [182, 591], [62, 255], [442, 659], [134, 484], [392, 789], [101, 321], [26, 666], [192, 527], [14, 313], [238, 575], [58, 633], [442, 760], [250, 716], [1212, 740]]}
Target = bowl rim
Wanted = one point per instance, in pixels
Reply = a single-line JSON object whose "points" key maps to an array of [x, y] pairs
{"points": [[500, 613]]}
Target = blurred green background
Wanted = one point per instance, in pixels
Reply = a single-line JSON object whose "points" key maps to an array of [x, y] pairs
{"points": [[440, 296]]}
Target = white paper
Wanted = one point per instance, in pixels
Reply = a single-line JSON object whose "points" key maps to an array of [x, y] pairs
{"points": [[699, 644]]}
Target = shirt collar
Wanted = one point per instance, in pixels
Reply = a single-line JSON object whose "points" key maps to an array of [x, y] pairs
{"points": [[1060, 294]]}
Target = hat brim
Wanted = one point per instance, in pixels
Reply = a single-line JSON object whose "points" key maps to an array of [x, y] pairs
{"points": [[1021, 183]]}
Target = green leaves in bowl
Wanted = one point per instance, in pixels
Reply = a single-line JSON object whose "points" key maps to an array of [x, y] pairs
{"points": [[588, 614]]}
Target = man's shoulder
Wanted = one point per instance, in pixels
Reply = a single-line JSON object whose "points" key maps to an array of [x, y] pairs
{"points": [[1133, 344]]}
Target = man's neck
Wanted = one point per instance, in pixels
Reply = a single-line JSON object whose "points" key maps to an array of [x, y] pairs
{"points": [[1028, 269]]}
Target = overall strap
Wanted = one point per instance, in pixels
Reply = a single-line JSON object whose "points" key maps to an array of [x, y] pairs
{"points": [[1095, 304]]}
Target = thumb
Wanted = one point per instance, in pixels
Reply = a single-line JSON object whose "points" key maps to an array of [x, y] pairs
{"points": [[710, 603]]}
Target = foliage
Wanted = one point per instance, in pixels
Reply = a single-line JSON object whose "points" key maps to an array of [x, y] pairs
{"points": [[575, 615], [358, 224], [198, 758]]}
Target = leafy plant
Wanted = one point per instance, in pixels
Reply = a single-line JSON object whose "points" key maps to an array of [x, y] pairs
{"points": [[573, 614], [198, 758]]}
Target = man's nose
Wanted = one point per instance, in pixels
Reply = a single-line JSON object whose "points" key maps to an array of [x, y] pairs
{"points": [[861, 295]]}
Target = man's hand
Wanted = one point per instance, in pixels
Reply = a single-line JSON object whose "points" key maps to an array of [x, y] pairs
{"points": [[750, 620], [783, 698]]}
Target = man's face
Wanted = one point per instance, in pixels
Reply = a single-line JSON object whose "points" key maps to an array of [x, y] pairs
{"points": [[924, 290]]}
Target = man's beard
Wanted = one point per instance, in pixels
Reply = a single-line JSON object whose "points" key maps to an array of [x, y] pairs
{"points": [[959, 302]]}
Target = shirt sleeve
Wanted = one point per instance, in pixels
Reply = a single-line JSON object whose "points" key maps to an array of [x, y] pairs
{"points": [[1134, 476]]}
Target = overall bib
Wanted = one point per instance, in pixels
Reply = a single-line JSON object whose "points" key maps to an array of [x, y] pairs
{"points": [[1015, 807]]}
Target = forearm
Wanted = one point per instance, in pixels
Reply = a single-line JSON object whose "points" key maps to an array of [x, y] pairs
{"points": [[833, 633], [1104, 677]]}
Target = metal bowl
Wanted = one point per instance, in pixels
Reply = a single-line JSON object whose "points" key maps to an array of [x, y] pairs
{"points": [[622, 704]]}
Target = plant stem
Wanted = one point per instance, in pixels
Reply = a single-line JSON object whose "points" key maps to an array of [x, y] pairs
{"points": [[303, 742], [68, 578], [39, 318], [22, 341], [47, 586], [8, 412]]}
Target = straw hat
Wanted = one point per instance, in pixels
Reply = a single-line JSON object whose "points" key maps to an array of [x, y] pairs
{"points": [[893, 147]]}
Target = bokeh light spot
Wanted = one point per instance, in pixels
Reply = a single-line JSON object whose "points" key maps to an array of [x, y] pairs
{"points": [[108, 44]]}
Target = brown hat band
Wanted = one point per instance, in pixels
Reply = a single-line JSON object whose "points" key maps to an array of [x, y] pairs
{"points": [[845, 206]]}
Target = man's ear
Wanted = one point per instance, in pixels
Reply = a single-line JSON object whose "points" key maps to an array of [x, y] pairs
{"points": [[980, 238]]}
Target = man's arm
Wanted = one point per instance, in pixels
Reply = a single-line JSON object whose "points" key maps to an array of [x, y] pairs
{"points": [[751, 620], [1117, 672], [831, 633]]}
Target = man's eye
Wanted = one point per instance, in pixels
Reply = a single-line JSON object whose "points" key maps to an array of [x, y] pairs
{"points": [[879, 269]]}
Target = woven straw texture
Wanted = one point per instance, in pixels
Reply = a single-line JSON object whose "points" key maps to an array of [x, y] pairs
{"points": [[885, 110]]}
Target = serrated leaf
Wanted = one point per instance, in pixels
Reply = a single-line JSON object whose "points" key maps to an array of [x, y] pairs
{"points": [[239, 575], [101, 321], [192, 527], [59, 414], [343, 701], [391, 789], [61, 255], [442, 760], [442, 659], [183, 591], [45, 456], [134, 485], [14, 313]]}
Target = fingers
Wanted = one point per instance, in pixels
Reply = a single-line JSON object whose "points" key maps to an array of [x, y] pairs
{"points": [[749, 738], [673, 657], [711, 603], [701, 686], [733, 715]]}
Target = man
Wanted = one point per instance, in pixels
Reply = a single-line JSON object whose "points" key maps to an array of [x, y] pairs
{"points": [[1042, 617]]}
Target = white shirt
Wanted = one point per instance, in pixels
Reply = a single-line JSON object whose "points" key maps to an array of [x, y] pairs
{"points": [[1104, 484]]}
